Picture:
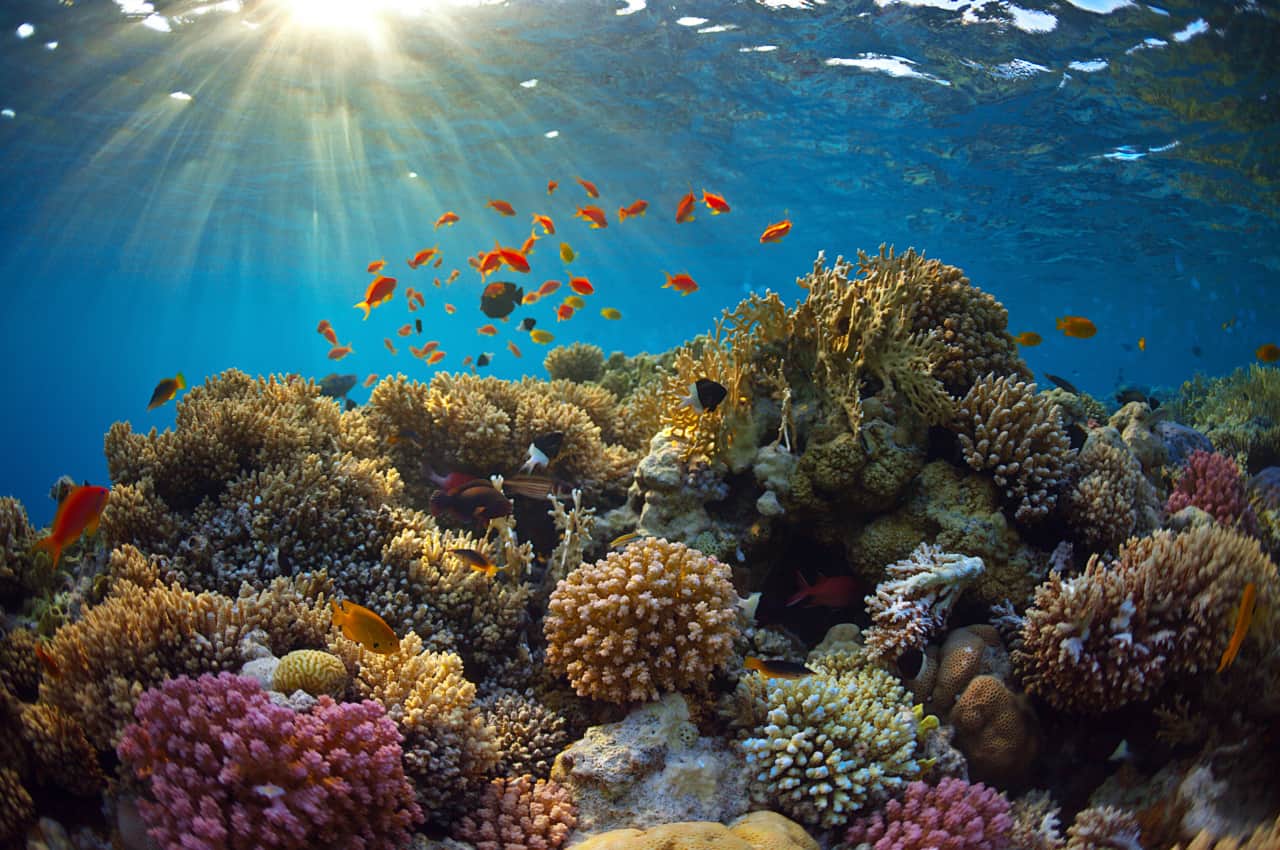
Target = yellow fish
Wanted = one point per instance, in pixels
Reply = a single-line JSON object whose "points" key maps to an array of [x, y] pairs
{"points": [[623, 539], [1142, 343], [540, 336], [566, 253], [611, 313], [364, 627], [575, 301], [1027, 338]]}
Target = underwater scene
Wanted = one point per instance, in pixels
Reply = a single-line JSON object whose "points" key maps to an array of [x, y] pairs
{"points": [[636, 425]]}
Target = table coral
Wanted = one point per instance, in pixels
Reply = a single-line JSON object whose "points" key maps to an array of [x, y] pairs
{"points": [[1109, 499], [952, 815], [914, 599], [224, 767], [1214, 483], [519, 814], [656, 616], [1117, 632]]}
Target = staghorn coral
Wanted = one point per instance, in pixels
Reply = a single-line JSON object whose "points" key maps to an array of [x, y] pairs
{"points": [[1103, 828], [1215, 484], [528, 735], [579, 362], [519, 814], [952, 815], [914, 599], [312, 671], [1165, 607], [1110, 500], [224, 767], [656, 616], [1006, 428], [60, 751], [829, 745]]}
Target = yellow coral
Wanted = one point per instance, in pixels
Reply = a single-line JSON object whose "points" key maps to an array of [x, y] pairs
{"points": [[756, 831], [63, 756], [312, 671], [578, 362]]}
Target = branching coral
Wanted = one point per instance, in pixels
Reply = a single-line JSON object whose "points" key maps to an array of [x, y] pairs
{"points": [[19, 568], [1110, 500], [527, 734], [519, 814], [1240, 413], [1215, 484], [578, 362], [225, 767], [16, 807], [62, 754], [1103, 828], [1116, 633], [952, 815], [656, 616], [913, 601], [1006, 428]]}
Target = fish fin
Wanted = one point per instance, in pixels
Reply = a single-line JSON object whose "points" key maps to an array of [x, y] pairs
{"points": [[49, 546], [362, 305], [800, 595], [181, 380], [92, 527]]}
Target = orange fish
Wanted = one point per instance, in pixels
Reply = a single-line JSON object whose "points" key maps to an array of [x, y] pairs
{"points": [[716, 203], [592, 192], [380, 290], [438, 263], [450, 309], [330, 335], [453, 275], [551, 186], [467, 361], [405, 330], [502, 207], [436, 283], [487, 330], [548, 287], [422, 257], [1243, 619], [490, 261], [530, 298], [595, 215], [682, 283], [447, 218], [527, 248], [78, 513], [1027, 338], [581, 285], [493, 290], [548, 226], [684, 211], [375, 267], [364, 627], [430, 346], [511, 346], [636, 208], [420, 298], [436, 357], [340, 351], [1076, 326], [564, 312], [324, 323], [513, 259], [391, 346], [776, 231], [1268, 353], [371, 380], [1142, 343]]}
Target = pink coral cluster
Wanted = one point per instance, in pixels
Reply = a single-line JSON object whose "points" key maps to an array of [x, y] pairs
{"points": [[1213, 483], [952, 815], [224, 767], [520, 814]]}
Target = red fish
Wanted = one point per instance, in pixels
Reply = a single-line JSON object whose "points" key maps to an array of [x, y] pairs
{"points": [[330, 335], [447, 218], [423, 257], [450, 309], [453, 275], [324, 323], [716, 203], [391, 346], [502, 207], [564, 312], [636, 208], [46, 660], [78, 513], [826, 592], [684, 211], [548, 287], [592, 192], [487, 330], [375, 267], [420, 298], [682, 283], [548, 226], [551, 186], [513, 259], [595, 215], [776, 231], [582, 286], [405, 330], [340, 351], [380, 290]]}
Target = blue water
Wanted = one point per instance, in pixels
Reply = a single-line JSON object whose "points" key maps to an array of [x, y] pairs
{"points": [[142, 234]]}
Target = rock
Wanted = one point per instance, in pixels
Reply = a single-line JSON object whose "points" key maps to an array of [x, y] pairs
{"points": [[1180, 441], [263, 670]]}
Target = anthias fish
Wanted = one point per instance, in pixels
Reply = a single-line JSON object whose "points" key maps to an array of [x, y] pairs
{"points": [[826, 592], [1243, 620], [78, 513], [380, 290]]}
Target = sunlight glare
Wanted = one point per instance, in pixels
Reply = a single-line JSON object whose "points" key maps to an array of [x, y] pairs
{"points": [[363, 16]]}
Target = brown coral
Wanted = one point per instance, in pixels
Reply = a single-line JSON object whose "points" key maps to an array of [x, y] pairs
{"points": [[1110, 499], [579, 362], [996, 731], [19, 668], [1265, 837], [16, 808], [1006, 428], [1103, 828], [520, 814], [62, 754], [528, 734], [656, 616]]}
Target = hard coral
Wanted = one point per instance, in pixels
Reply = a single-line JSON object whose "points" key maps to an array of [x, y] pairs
{"points": [[528, 734], [16, 807], [952, 815], [19, 568], [578, 362], [519, 814], [1239, 413], [913, 601], [1110, 500], [1103, 828], [1214, 483], [1116, 633], [1006, 428], [224, 767], [312, 671], [656, 616], [995, 729]]}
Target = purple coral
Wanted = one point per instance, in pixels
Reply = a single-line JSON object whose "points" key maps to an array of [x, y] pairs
{"points": [[226, 768], [1214, 483], [952, 815]]}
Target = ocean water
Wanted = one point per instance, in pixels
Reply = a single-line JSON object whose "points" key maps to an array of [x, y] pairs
{"points": [[193, 186]]}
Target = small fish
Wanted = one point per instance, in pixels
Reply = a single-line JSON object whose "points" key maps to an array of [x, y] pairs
{"points": [[581, 285], [371, 379], [1268, 353], [340, 351], [1243, 620], [417, 325], [531, 298], [564, 312], [502, 207], [405, 330], [826, 592], [551, 186], [1121, 753], [682, 283], [484, 359], [776, 231], [364, 627], [575, 301], [500, 299], [541, 337], [166, 390], [511, 346], [544, 221], [323, 326], [430, 346], [334, 385], [1196, 351], [776, 668], [590, 187], [350, 405], [436, 357], [623, 539], [1076, 326], [420, 352], [513, 259], [543, 450], [593, 214], [566, 253], [453, 275], [704, 395], [450, 309], [78, 513], [684, 210], [1142, 343], [487, 330], [1028, 338], [376, 266], [716, 203], [1062, 383], [477, 561], [527, 248], [447, 218], [423, 257], [634, 209], [611, 313], [466, 361], [548, 287], [391, 346], [527, 324], [405, 434], [330, 335], [46, 660], [380, 290]]}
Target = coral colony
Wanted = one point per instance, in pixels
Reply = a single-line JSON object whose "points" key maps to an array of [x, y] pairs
{"points": [[836, 573]]}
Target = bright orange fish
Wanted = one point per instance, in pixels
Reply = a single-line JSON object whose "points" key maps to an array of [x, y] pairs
{"points": [[595, 215], [592, 192], [636, 208], [551, 186], [487, 330], [684, 211], [453, 275], [776, 231], [548, 226], [548, 287], [423, 257], [78, 513], [430, 346], [530, 298], [436, 282], [564, 312], [1268, 353], [581, 285], [324, 323], [682, 283], [375, 267], [527, 248], [1028, 339], [502, 207], [716, 203], [330, 335], [436, 357], [380, 290], [391, 346], [448, 218], [371, 380], [450, 309], [1076, 326], [490, 261], [340, 351], [513, 259], [438, 263], [1142, 343], [405, 330], [420, 298], [511, 346], [1243, 619], [364, 627]]}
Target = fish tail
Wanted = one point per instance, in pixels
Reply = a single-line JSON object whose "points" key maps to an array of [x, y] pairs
{"points": [[50, 546], [804, 590], [363, 305], [181, 381]]}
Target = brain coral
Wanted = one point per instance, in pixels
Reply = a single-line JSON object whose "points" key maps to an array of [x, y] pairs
{"points": [[1006, 428], [312, 671], [656, 616], [829, 745], [1116, 633], [952, 815]]}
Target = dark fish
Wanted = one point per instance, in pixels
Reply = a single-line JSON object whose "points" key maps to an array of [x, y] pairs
{"points": [[500, 298], [484, 359], [1062, 383], [776, 668], [351, 405], [334, 385], [417, 325], [704, 395], [543, 450], [527, 324], [474, 501], [166, 390]]}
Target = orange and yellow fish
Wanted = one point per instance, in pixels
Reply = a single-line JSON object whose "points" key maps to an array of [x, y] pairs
{"points": [[78, 513], [581, 285], [423, 257], [575, 301], [684, 210], [776, 231], [450, 309], [405, 330], [371, 379], [716, 203], [436, 357], [380, 290], [447, 218], [540, 336], [590, 187], [375, 267], [682, 283], [1243, 620], [1268, 353], [593, 214], [635, 208], [527, 247], [1076, 326], [544, 221], [551, 186], [566, 253], [1142, 343], [453, 275], [502, 207], [530, 298], [166, 390], [340, 351], [776, 668], [1028, 338], [487, 330], [477, 561], [512, 259], [611, 313], [364, 627], [326, 330]]}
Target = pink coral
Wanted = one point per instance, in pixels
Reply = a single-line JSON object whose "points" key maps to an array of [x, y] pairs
{"points": [[520, 814], [224, 768], [952, 815], [1214, 483]]}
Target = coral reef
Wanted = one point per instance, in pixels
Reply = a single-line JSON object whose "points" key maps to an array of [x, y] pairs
{"points": [[656, 616], [16, 808], [528, 735], [60, 751], [1215, 484], [519, 814], [1265, 837], [756, 831], [1104, 828], [312, 671], [1110, 499], [223, 766], [578, 362], [912, 602], [952, 815], [19, 568], [996, 730], [1239, 413]]}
